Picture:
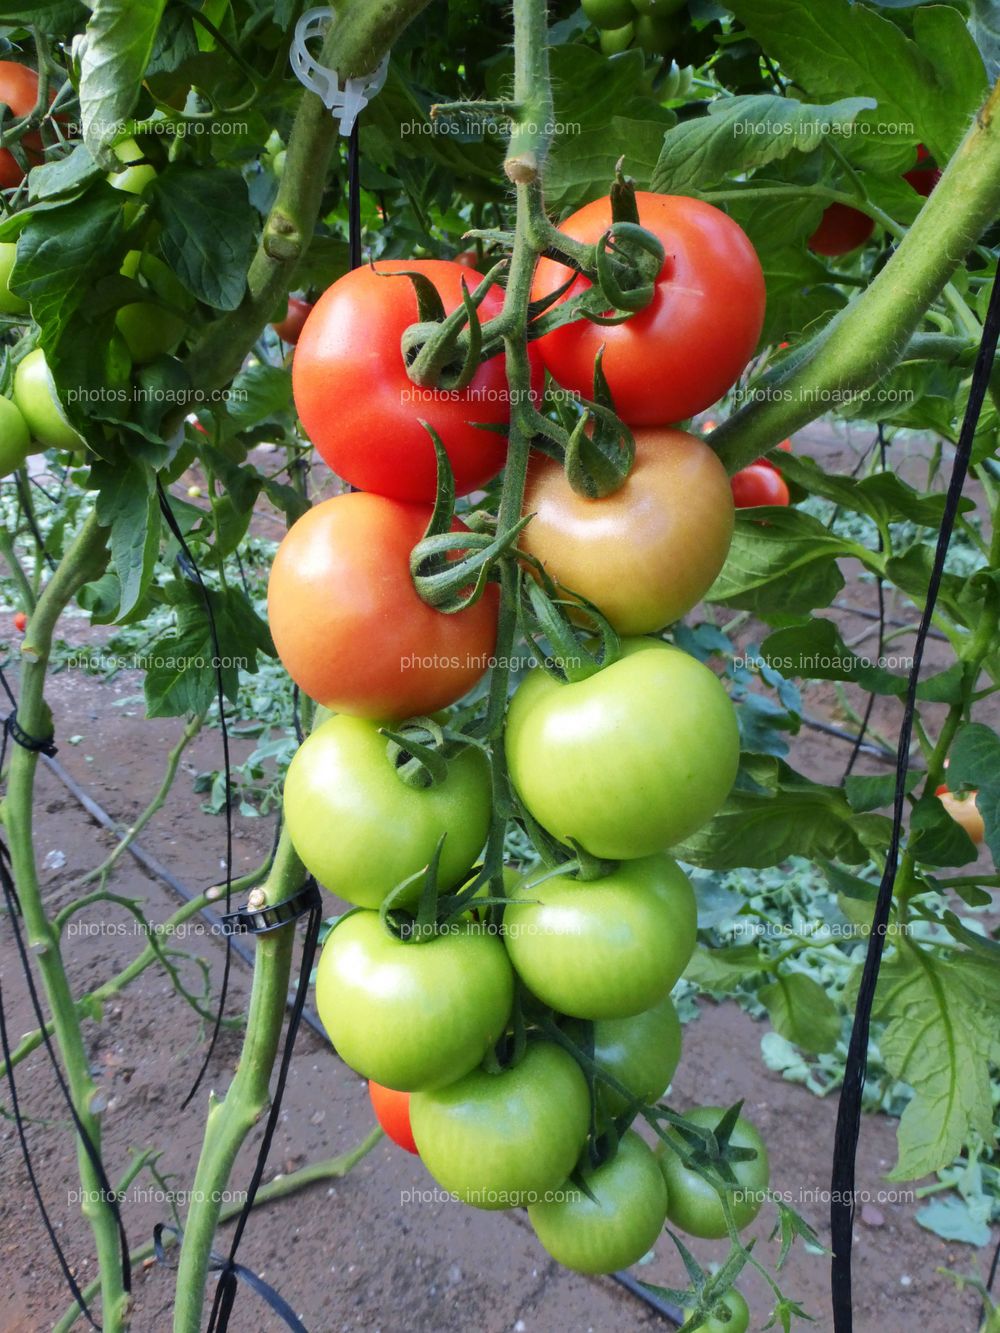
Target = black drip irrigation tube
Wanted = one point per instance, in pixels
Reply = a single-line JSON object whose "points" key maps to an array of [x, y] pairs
{"points": [[156, 868]]}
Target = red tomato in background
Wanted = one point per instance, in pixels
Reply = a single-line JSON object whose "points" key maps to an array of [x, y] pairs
{"points": [[19, 91], [841, 230], [289, 328], [759, 484], [688, 346], [922, 177], [392, 1111], [347, 621], [20, 621], [363, 412]]}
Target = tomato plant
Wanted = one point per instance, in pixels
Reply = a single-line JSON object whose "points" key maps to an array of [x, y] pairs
{"points": [[392, 1111], [291, 325], [759, 484], [679, 354], [616, 1222], [15, 438], [38, 403], [736, 1309], [504, 1140], [641, 1052], [569, 744], [841, 230], [357, 641]]}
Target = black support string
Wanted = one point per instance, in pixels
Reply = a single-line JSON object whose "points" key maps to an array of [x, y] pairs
{"points": [[849, 1109]]}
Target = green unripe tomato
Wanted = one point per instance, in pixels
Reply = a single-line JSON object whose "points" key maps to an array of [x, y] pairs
{"points": [[148, 328], [563, 948], [695, 1205], [608, 13], [641, 1052], [360, 829], [739, 1315], [278, 163], [616, 40], [616, 1227], [10, 302], [15, 438], [629, 761], [657, 36], [412, 1015], [36, 397], [133, 180], [505, 1140]]}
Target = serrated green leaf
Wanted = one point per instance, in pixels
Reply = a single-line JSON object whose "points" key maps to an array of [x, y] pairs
{"points": [[936, 838], [208, 231], [873, 793], [127, 503], [801, 1011], [742, 133], [722, 969], [942, 1035], [119, 42], [781, 560]]}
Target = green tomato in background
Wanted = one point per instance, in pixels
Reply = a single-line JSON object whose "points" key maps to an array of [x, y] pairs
{"points": [[149, 328], [609, 13], [133, 180], [616, 1227], [36, 397], [604, 948], [10, 302], [739, 1315], [695, 1205], [615, 40], [412, 1015], [15, 438], [360, 829], [641, 1052], [657, 36], [505, 1140], [629, 761]]}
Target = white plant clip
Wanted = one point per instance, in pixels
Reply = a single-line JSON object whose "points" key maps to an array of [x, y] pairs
{"points": [[346, 102]]}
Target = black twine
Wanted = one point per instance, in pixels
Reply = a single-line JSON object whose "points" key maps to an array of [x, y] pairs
{"points": [[849, 1110]]}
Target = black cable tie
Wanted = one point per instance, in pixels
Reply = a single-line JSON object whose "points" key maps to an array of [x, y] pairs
{"points": [[258, 921], [218, 1263], [36, 744]]}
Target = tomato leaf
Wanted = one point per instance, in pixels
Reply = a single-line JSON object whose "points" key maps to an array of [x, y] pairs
{"points": [[802, 1012], [781, 561], [975, 763], [741, 133], [872, 793], [208, 231], [118, 43], [937, 839], [942, 1016], [127, 503]]}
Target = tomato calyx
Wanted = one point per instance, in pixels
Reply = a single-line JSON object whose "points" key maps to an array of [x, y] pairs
{"points": [[628, 260], [442, 581], [444, 351], [709, 1152], [416, 752], [600, 449], [570, 658]]}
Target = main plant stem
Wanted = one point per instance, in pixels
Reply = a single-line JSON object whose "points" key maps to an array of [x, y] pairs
{"points": [[863, 343], [230, 1119], [84, 561]]}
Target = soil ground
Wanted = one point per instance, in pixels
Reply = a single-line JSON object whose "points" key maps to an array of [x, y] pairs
{"points": [[377, 1250]]}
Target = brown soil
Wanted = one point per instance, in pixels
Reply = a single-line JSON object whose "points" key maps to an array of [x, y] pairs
{"points": [[363, 1253]]}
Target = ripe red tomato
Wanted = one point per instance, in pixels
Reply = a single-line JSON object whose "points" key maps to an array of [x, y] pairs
{"points": [[347, 621], [359, 406], [392, 1111], [688, 346], [19, 91], [759, 484], [923, 178], [20, 621], [647, 553], [841, 230], [468, 259], [289, 328]]}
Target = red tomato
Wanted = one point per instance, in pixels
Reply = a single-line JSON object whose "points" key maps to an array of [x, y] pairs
{"points": [[841, 230], [468, 259], [759, 484], [922, 178], [289, 328], [688, 346], [360, 408], [348, 624], [392, 1111], [19, 91], [785, 445], [20, 621]]}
